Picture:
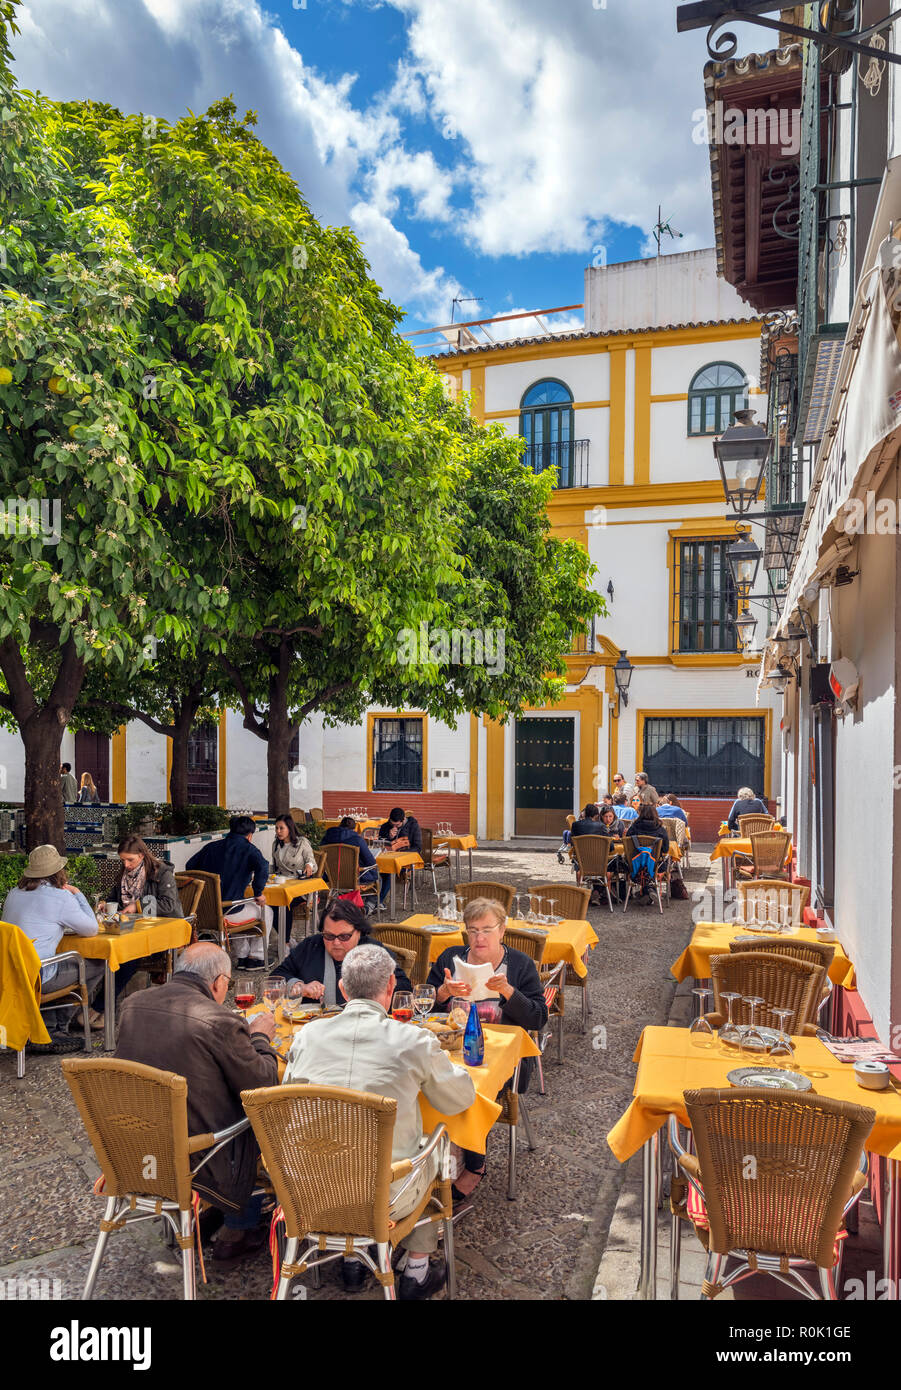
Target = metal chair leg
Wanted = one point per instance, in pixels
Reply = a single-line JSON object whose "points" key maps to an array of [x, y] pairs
{"points": [[20, 1064], [511, 1166], [541, 1090], [289, 1258], [675, 1256], [186, 1223], [102, 1238], [585, 1006], [628, 894], [86, 1023], [528, 1128], [559, 1022], [450, 1258], [384, 1263], [827, 1284], [711, 1273]]}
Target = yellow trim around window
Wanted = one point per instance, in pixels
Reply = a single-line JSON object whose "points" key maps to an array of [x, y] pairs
{"points": [[372, 716], [513, 414], [713, 529], [766, 714], [494, 772], [642, 415], [477, 389], [119, 774]]}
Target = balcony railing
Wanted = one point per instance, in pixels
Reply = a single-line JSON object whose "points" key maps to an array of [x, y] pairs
{"points": [[568, 456], [584, 643]]}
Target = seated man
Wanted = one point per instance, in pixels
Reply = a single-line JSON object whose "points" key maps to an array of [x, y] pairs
{"points": [[402, 832], [365, 1050], [347, 834], [237, 861], [312, 968], [623, 810], [589, 823], [182, 1027]]}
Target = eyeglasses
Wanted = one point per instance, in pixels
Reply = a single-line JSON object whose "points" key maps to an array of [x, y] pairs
{"points": [[343, 936], [481, 931]]}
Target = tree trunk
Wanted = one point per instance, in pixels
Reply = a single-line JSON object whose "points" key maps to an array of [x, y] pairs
{"points": [[281, 732], [42, 736], [178, 777]]}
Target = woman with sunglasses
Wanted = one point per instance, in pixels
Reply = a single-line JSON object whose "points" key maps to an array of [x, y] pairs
{"points": [[312, 967]]}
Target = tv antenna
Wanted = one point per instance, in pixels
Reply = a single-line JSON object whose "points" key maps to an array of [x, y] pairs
{"points": [[457, 300], [663, 229]]}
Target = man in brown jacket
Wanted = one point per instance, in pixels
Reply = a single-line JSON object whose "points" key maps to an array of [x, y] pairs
{"points": [[182, 1027]]}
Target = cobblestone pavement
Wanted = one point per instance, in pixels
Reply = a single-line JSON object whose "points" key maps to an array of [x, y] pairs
{"points": [[545, 1245]]}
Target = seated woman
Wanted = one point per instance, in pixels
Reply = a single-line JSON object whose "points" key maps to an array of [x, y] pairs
{"points": [[648, 824], [44, 905], [746, 804], [312, 967], [143, 879], [292, 853], [515, 980]]}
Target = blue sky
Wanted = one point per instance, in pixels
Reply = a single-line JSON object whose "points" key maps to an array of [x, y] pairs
{"points": [[483, 148]]}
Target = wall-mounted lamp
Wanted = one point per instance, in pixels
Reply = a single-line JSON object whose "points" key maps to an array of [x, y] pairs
{"points": [[622, 675], [610, 589]]}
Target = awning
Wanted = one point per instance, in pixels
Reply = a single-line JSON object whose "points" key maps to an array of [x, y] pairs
{"points": [[865, 416]]}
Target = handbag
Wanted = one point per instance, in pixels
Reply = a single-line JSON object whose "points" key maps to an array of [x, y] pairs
{"points": [[354, 896]]}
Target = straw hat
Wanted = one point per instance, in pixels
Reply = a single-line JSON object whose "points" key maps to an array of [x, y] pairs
{"points": [[43, 862]]}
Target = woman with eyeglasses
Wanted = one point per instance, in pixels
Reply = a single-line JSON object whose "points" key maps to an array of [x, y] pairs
{"points": [[312, 968]]}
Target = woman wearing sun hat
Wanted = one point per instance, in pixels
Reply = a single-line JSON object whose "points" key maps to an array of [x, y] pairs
{"points": [[44, 905]]}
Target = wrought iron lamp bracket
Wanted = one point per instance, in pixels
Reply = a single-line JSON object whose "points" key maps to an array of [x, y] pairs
{"points": [[724, 47]]}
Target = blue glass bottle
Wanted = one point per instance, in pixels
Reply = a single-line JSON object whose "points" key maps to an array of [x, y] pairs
{"points": [[473, 1039]]}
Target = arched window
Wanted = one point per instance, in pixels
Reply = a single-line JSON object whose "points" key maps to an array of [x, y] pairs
{"points": [[546, 424], [716, 392]]}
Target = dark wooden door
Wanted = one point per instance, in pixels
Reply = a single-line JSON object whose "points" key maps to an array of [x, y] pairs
{"points": [[92, 755], [203, 765], [545, 773]]}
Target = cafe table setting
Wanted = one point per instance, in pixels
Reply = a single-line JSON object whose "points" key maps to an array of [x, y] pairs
{"points": [[281, 892], [121, 939], [568, 939], [714, 938]]}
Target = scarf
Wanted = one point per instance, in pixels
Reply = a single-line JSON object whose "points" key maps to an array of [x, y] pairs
{"points": [[131, 887]]}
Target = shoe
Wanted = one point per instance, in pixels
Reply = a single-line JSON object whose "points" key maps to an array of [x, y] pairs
{"points": [[560, 859], [353, 1275], [409, 1291], [209, 1222], [237, 1245], [59, 1043]]}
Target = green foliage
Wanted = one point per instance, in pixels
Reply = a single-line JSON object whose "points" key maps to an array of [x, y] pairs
{"points": [[129, 821], [192, 820], [81, 869]]}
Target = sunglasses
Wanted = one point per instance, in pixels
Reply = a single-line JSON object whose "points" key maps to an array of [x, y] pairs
{"points": [[343, 936]]}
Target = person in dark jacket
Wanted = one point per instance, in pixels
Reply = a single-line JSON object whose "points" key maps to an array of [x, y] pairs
{"points": [[746, 804], [141, 877], [312, 967], [237, 861], [182, 1027], [515, 980], [402, 833], [589, 823]]}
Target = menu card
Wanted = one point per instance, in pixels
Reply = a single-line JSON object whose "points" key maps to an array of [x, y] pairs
{"points": [[858, 1049]]}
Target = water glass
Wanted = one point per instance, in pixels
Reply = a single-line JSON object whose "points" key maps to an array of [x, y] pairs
{"points": [[783, 1049], [730, 1033], [273, 991], [700, 1030], [423, 1000], [458, 1011], [753, 1044]]}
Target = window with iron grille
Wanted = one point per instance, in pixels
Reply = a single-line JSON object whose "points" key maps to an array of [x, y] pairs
{"points": [[203, 749], [397, 755], [704, 601], [705, 757], [715, 393]]}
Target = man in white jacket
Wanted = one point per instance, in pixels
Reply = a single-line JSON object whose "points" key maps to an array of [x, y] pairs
{"points": [[366, 1050]]}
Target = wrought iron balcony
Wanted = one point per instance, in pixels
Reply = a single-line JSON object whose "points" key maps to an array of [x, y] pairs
{"points": [[568, 456], [584, 643]]}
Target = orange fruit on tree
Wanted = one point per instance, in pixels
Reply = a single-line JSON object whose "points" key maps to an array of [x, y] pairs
{"points": [[6, 376]]}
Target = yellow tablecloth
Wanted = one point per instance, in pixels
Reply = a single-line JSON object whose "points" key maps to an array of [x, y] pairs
{"points": [[713, 938], [504, 1046], [370, 823], [152, 934], [456, 841], [393, 863], [568, 940], [668, 1064], [726, 847], [283, 894]]}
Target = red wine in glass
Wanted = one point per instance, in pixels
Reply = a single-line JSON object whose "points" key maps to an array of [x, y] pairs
{"points": [[402, 1015], [244, 1001]]}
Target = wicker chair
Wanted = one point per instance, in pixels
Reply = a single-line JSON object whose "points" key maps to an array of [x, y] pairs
{"points": [[659, 849], [190, 891], [783, 981], [754, 824], [416, 941], [769, 853], [553, 978], [772, 900], [341, 869], [593, 855], [126, 1107], [571, 902], [328, 1153], [809, 1170], [432, 859], [298, 815], [211, 912], [502, 893], [77, 992], [317, 813], [816, 953]]}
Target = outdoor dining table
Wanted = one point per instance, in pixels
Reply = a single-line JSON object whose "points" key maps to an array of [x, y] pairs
{"points": [[394, 864], [148, 936], [569, 940], [729, 846], [280, 896], [669, 1065], [369, 823], [713, 938], [505, 1047], [457, 843]]}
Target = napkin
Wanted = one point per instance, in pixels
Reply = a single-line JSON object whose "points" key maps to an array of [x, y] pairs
{"points": [[476, 975]]}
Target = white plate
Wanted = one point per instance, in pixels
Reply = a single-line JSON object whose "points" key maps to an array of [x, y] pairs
{"points": [[772, 1078]]}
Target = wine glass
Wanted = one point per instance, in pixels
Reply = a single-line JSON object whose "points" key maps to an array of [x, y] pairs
{"points": [[531, 915], [730, 1033], [273, 991], [245, 992], [700, 1030], [753, 1043], [402, 1006], [458, 904], [423, 999], [783, 1049], [550, 916]]}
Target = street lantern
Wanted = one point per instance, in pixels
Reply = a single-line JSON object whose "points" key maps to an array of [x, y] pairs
{"points": [[746, 626], [742, 453], [744, 557], [622, 674]]}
